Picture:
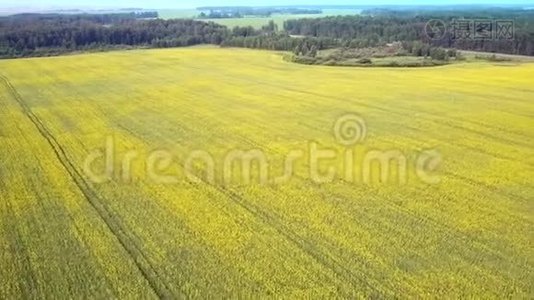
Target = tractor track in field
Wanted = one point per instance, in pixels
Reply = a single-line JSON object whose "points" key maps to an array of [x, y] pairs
{"points": [[301, 244], [263, 215], [140, 260], [306, 247]]}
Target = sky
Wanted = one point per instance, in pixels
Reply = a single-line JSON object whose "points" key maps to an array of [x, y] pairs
{"points": [[193, 4]]}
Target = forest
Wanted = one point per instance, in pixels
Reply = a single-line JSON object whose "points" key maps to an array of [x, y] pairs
{"points": [[466, 30], [25, 35], [42, 35]]}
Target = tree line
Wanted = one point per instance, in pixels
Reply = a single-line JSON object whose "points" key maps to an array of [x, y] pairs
{"points": [[45, 35], [379, 27], [49, 34]]}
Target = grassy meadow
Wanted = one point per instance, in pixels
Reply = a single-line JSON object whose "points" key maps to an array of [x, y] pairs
{"points": [[63, 235], [256, 22]]}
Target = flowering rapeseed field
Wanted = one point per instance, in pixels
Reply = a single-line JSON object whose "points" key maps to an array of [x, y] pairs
{"points": [[468, 232]]}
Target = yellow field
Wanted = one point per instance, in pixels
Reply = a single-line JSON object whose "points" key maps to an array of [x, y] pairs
{"points": [[65, 234]]}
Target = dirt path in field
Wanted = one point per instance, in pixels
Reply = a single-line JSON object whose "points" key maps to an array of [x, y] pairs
{"points": [[114, 225]]}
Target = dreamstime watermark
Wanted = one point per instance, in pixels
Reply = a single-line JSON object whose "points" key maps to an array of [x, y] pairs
{"points": [[470, 29], [353, 163]]}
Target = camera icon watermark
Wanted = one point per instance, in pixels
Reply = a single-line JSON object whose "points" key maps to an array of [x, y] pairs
{"points": [[436, 29]]}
